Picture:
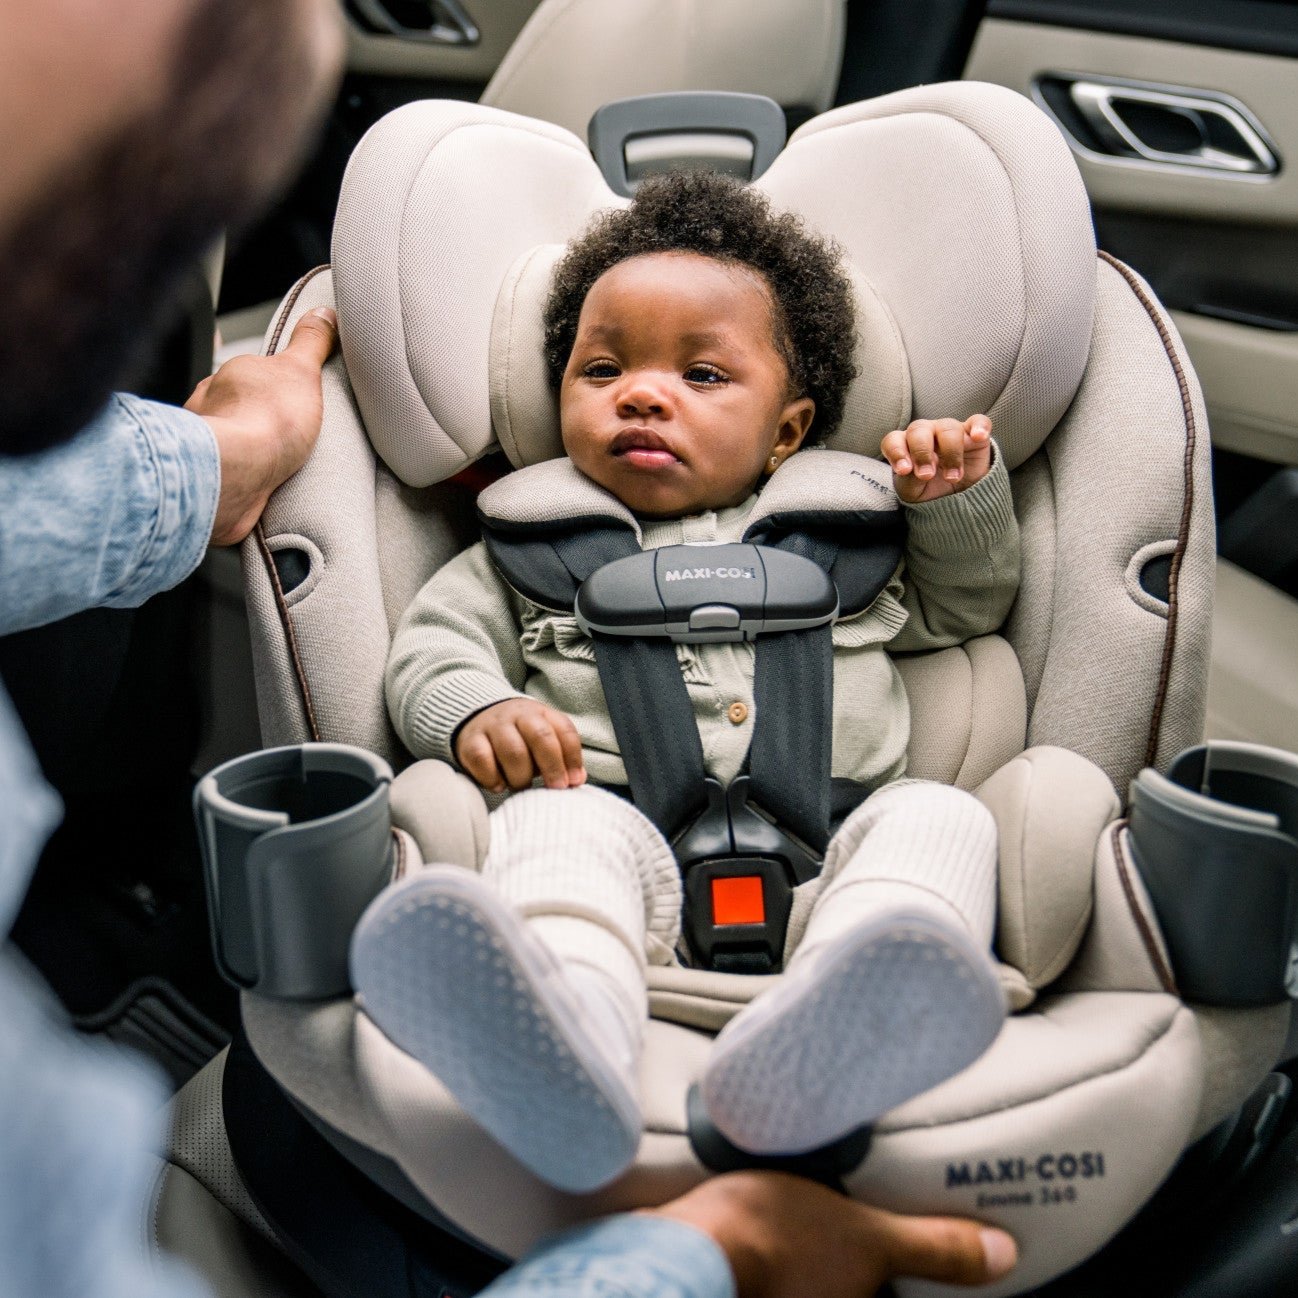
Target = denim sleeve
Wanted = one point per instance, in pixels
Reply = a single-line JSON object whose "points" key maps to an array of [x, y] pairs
{"points": [[632, 1256], [121, 512]]}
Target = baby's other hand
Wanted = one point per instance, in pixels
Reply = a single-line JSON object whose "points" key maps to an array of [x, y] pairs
{"points": [[513, 742], [938, 457]]}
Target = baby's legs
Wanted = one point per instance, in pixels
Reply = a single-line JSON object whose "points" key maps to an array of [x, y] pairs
{"points": [[523, 989], [892, 988]]}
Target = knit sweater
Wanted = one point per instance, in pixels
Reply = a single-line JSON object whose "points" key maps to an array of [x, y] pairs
{"points": [[468, 641]]}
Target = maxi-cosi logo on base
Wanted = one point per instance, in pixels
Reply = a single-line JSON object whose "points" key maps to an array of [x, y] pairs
{"points": [[1024, 1182], [698, 574]]}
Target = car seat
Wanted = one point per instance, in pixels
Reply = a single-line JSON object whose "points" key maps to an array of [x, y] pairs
{"points": [[968, 235]]}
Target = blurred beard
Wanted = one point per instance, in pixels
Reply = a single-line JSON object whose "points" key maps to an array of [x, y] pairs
{"points": [[89, 275]]}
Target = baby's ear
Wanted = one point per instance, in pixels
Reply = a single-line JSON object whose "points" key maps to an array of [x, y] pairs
{"points": [[795, 423]]}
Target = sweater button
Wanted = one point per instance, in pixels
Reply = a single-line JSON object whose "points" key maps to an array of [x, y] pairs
{"points": [[738, 713]]}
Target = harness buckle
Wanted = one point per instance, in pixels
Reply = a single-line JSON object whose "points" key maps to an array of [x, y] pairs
{"points": [[740, 869]]}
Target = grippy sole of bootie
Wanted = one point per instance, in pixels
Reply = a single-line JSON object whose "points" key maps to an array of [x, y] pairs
{"points": [[448, 973], [884, 1014]]}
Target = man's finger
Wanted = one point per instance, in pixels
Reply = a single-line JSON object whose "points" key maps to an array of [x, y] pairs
{"points": [[947, 1249], [314, 337]]}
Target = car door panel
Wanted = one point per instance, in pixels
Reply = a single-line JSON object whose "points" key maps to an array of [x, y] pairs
{"points": [[1018, 54]]}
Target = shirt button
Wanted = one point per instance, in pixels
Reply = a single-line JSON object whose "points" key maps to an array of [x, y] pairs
{"points": [[738, 713]]}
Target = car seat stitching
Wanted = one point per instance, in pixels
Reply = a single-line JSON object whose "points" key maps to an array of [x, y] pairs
{"points": [[281, 602], [1165, 975], [290, 633], [1187, 505], [287, 310], [155, 1208]]}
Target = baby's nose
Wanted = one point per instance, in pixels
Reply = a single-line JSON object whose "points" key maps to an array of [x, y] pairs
{"points": [[641, 397]]}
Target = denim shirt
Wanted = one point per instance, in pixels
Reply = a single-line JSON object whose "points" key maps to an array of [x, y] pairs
{"points": [[119, 514]]}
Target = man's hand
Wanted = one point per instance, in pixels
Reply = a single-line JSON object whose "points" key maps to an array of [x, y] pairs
{"points": [[266, 413], [938, 457], [786, 1237], [513, 742]]}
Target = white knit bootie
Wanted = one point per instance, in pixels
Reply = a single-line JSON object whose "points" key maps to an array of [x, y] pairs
{"points": [[523, 995], [892, 990]]}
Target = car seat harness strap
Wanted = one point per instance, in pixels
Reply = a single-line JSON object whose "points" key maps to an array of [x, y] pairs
{"points": [[741, 849]]}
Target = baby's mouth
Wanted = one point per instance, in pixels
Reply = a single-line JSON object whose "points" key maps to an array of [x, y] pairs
{"points": [[643, 448]]}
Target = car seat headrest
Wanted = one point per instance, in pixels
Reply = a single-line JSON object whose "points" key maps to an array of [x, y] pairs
{"points": [[525, 410], [964, 224]]}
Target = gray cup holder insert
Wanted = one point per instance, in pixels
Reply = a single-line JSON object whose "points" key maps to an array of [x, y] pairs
{"points": [[1216, 843], [296, 842]]}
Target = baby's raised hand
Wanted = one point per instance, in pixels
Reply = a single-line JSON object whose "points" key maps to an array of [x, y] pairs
{"points": [[513, 742], [937, 457]]}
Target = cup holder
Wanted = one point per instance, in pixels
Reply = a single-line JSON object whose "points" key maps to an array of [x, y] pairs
{"points": [[296, 842], [1216, 843]]}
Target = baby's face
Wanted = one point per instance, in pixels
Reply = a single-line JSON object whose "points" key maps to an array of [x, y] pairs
{"points": [[675, 397]]}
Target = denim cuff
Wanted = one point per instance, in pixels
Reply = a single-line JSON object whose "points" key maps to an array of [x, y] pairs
{"points": [[629, 1256], [178, 452]]}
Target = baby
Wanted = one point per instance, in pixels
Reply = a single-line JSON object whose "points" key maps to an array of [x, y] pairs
{"points": [[696, 340]]}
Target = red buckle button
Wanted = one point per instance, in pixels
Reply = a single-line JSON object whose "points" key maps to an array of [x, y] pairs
{"points": [[738, 900]]}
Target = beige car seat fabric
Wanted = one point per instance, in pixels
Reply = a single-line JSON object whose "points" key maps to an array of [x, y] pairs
{"points": [[575, 55], [371, 541], [1112, 672], [985, 260]]}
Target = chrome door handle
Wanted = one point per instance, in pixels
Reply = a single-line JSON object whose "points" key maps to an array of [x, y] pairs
{"points": [[448, 23], [1160, 126]]}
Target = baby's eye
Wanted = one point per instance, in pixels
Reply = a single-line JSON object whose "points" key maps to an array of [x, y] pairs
{"points": [[705, 374], [599, 370]]}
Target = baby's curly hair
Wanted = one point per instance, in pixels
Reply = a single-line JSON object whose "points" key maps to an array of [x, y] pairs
{"points": [[711, 214]]}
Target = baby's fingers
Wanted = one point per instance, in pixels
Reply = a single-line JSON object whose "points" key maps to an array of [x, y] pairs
{"points": [[513, 755], [978, 431], [545, 748], [475, 753], [977, 448], [949, 435], [570, 742], [897, 453], [921, 442]]}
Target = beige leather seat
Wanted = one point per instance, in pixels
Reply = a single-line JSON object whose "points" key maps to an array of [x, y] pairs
{"points": [[968, 233]]}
